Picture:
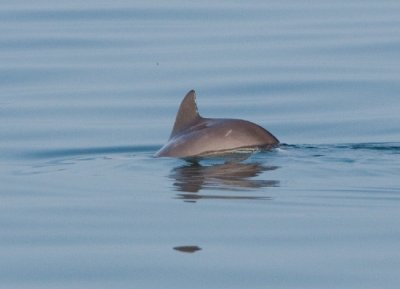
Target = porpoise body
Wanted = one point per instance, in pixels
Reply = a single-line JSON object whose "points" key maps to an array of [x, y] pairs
{"points": [[195, 136]]}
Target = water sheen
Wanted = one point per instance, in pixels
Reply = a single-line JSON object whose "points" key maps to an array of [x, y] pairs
{"points": [[89, 92]]}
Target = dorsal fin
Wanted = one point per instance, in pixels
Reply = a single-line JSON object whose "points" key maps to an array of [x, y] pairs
{"points": [[187, 113]]}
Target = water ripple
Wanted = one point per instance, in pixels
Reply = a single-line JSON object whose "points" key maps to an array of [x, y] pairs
{"points": [[67, 152], [385, 146]]}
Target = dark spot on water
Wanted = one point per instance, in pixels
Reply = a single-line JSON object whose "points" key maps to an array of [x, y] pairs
{"points": [[187, 249]]}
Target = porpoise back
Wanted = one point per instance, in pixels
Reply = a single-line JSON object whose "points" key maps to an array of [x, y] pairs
{"points": [[196, 136]]}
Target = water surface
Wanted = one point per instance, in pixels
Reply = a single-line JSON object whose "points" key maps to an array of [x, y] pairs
{"points": [[89, 92]]}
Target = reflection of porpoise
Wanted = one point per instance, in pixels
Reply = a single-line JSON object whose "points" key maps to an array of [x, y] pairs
{"points": [[195, 136], [229, 177]]}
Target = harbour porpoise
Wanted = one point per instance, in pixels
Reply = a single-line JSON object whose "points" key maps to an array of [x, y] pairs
{"points": [[194, 136]]}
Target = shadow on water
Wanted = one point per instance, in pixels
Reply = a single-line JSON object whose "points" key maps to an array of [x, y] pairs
{"points": [[231, 177]]}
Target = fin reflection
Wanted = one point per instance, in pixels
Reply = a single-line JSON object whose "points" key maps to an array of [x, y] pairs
{"points": [[231, 177]]}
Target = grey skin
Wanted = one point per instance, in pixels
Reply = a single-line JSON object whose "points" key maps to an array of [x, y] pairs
{"points": [[194, 136]]}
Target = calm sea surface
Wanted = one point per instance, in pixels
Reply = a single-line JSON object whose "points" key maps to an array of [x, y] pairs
{"points": [[89, 91]]}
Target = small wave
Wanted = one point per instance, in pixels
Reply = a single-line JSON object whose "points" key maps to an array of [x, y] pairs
{"points": [[394, 147], [68, 152], [389, 146]]}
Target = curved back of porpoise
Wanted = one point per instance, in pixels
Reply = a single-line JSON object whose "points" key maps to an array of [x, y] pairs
{"points": [[193, 135], [187, 114]]}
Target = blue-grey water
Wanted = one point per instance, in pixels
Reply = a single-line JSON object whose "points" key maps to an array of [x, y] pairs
{"points": [[89, 91]]}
